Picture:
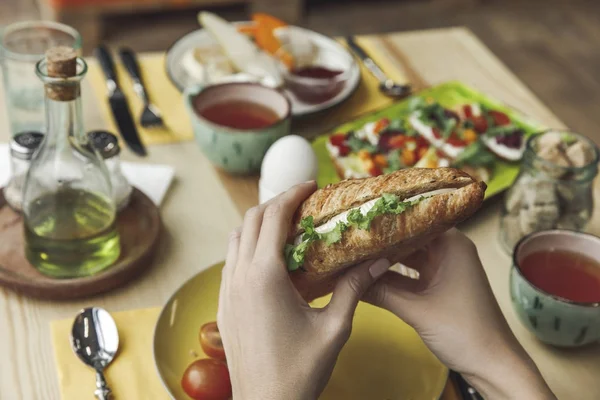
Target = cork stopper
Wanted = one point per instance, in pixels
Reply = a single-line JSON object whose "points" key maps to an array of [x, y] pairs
{"points": [[61, 62]]}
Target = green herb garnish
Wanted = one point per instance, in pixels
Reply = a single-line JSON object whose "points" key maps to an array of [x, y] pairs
{"points": [[357, 144], [475, 154], [416, 103], [335, 235], [395, 125], [394, 161], [387, 204], [501, 130]]}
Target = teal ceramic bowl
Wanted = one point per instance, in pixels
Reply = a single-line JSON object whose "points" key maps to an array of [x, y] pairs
{"points": [[554, 320], [237, 151]]}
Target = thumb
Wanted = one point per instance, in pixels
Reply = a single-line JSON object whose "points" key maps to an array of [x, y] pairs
{"points": [[397, 294], [352, 286]]}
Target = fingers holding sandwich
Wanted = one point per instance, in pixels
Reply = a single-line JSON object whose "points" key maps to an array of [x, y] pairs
{"points": [[270, 221], [351, 287], [277, 219]]}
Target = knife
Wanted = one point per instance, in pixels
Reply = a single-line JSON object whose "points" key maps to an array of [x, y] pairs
{"points": [[118, 103]]}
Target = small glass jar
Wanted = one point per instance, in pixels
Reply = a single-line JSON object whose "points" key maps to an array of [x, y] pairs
{"points": [[549, 195], [22, 147], [108, 146]]}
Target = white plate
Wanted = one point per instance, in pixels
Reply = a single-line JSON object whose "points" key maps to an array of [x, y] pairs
{"points": [[201, 38]]}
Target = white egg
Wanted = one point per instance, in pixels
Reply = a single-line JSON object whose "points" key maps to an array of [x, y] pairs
{"points": [[289, 161]]}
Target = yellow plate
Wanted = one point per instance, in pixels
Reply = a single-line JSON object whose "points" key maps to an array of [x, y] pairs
{"points": [[384, 358]]}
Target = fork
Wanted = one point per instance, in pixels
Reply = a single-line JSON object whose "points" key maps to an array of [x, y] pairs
{"points": [[151, 116]]}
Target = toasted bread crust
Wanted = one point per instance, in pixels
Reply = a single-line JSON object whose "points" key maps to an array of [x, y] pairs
{"points": [[391, 236], [342, 196]]}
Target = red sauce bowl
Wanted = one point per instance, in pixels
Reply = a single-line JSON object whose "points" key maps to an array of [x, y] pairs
{"points": [[322, 79]]}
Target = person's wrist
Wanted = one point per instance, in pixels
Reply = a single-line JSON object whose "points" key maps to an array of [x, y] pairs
{"points": [[273, 391], [511, 375]]}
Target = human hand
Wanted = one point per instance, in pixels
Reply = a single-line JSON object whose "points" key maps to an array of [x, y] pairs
{"points": [[453, 309], [277, 346]]}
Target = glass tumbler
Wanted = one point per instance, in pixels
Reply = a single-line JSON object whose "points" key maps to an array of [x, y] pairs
{"points": [[22, 45], [547, 195]]}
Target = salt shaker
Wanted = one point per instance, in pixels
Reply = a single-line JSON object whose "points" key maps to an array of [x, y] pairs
{"points": [[22, 147], [108, 146]]}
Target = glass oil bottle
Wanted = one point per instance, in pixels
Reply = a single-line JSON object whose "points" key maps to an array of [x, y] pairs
{"points": [[68, 206]]}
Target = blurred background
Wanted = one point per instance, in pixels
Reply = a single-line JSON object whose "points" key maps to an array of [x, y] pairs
{"points": [[553, 46]]}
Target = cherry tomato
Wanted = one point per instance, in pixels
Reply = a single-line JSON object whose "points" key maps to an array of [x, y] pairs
{"points": [[421, 142], [500, 119], [344, 150], [468, 111], [210, 340], [436, 133], [398, 141], [337, 139], [455, 141], [207, 379], [480, 124], [375, 170], [381, 125]]}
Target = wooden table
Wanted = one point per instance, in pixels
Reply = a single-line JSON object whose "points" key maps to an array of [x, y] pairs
{"points": [[203, 206]]}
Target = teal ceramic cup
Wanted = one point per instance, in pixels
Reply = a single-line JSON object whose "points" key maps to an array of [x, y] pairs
{"points": [[237, 151], [554, 320]]}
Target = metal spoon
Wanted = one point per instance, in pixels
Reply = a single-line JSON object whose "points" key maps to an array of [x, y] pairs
{"points": [[386, 85], [95, 340]]}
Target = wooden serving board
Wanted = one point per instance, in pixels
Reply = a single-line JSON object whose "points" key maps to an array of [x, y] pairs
{"points": [[139, 227]]}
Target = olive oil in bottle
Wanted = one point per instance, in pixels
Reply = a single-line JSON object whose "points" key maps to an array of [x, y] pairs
{"points": [[68, 205], [71, 233]]}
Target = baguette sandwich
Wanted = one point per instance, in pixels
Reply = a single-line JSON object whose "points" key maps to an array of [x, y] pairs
{"points": [[388, 216]]}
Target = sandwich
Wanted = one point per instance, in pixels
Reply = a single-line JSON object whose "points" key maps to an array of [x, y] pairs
{"points": [[388, 216]]}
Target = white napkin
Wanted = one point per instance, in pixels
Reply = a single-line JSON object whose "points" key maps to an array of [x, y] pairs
{"points": [[152, 179]]}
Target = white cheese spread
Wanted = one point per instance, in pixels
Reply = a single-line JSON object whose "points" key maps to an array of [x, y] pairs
{"points": [[427, 132], [364, 209]]}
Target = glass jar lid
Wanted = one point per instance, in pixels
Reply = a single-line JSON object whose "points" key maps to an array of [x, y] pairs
{"points": [[24, 144], [105, 142]]}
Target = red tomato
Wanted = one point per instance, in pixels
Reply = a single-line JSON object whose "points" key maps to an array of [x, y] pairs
{"points": [[396, 142], [337, 139], [421, 142], [210, 340], [436, 133], [344, 150], [480, 124], [500, 119], [454, 140], [468, 111], [207, 379], [375, 171], [381, 125]]}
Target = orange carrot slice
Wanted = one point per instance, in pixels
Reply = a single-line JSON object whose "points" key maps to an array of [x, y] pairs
{"points": [[266, 39], [248, 29]]}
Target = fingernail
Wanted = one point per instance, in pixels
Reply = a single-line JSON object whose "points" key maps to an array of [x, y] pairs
{"points": [[379, 268]]}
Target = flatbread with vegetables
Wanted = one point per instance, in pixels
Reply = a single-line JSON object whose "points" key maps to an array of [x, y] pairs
{"points": [[470, 137], [386, 216]]}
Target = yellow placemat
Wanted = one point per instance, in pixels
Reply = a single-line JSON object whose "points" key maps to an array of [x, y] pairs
{"points": [[169, 100], [162, 94], [131, 375]]}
